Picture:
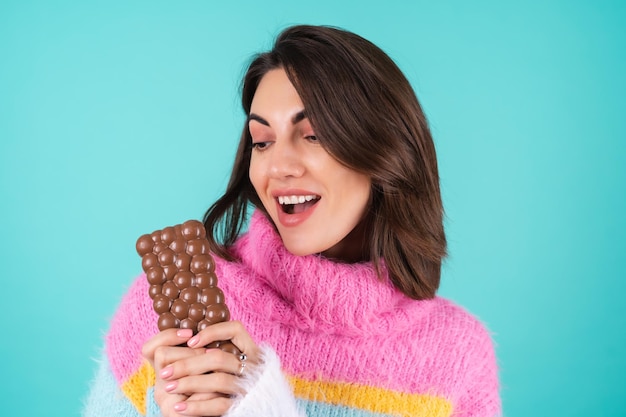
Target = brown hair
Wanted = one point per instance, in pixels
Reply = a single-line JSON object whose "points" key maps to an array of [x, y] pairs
{"points": [[366, 115]]}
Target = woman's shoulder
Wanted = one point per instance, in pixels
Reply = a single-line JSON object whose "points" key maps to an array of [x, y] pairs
{"points": [[443, 331], [449, 310], [454, 321], [451, 345], [463, 346]]}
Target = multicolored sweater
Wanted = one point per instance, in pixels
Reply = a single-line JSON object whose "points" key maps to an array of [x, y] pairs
{"points": [[343, 342]]}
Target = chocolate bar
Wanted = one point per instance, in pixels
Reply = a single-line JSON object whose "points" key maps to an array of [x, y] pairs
{"points": [[183, 285]]}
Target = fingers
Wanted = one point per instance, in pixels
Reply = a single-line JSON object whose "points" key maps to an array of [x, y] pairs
{"points": [[169, 337], [229, 330], [181, 362], [199, 395], [208, 384], [167, 402], [195, 381], [216, 406], [202, 395]]}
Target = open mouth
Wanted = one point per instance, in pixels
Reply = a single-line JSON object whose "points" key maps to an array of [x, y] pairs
{"points": [[294, 204]]}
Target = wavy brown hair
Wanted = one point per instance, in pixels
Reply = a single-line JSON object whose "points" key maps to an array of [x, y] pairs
{"points": [[366, 115]]}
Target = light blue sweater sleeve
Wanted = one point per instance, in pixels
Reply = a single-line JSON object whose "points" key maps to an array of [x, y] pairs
{"points": [[105, 398]]}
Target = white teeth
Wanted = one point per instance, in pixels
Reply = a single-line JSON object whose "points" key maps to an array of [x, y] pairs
{"points": [[295, 199]]}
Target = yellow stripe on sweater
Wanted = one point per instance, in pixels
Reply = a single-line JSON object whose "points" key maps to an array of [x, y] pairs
{"points": [[364, 397], [373, 399], [136, 387]]}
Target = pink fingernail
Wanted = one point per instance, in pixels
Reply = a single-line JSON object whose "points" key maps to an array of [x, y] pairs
{"points": [[166, 372], [171, 386], [192, 341], [184, 333], [180, 406]]}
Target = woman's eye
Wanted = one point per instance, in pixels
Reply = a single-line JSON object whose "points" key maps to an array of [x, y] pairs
{"points": [[312, 138], [259, 145]]}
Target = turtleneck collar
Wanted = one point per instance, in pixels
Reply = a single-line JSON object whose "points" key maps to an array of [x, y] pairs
{"points": [[322, 294]]}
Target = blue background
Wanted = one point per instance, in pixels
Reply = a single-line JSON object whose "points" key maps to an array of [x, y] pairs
{"points": [[118, 118]]}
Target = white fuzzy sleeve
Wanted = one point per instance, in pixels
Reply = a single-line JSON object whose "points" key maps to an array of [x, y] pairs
{"points": [[268, 391]]}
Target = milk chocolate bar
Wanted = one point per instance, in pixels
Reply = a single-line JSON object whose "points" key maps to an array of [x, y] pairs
{"points": [[183, 284]]}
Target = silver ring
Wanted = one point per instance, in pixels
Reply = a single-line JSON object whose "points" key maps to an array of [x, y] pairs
{"points": [[243, 357]]}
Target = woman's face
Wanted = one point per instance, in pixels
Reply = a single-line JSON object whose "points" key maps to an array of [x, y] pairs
{"points": [[314, 201]]}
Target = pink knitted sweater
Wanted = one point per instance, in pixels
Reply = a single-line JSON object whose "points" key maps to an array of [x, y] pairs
{"points": [[349, 344]]}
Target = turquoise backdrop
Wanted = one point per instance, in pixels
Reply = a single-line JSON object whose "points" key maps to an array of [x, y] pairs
{"points": [[121, 117]]}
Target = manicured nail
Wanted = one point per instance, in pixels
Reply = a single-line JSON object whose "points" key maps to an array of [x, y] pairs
{"points": [[185, 333], [193, 341], [171, 386], [180, 406], [166, 372]]}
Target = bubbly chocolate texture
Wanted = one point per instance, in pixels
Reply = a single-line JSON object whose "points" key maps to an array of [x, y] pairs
{"points": [[183, 285]]}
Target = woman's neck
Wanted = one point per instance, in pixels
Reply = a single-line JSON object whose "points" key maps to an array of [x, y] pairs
{"points": [[353, 248]]}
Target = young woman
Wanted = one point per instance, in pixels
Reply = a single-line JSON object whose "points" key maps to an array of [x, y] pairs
{"points": [[332, 287]]}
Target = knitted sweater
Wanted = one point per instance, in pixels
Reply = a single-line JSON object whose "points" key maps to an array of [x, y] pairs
{"points": [[346, 343]]}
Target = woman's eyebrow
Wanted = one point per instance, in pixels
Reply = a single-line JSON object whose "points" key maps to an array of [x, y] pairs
{"points": [[258, 119], [297, 118]]}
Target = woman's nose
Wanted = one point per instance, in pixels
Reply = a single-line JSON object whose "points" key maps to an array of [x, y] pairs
{"points": [[285, 159]]}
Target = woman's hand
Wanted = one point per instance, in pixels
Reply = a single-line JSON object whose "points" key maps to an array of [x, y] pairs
{"points": [[196, 381], [166, 342]]}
